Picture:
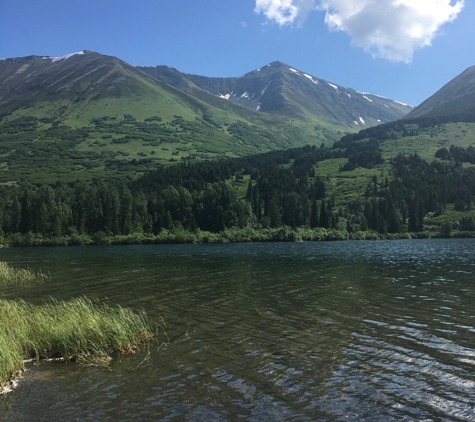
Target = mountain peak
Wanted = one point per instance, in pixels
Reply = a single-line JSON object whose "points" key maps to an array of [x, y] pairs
{"points": [[273, 66], [65, 57], [52, 58], [76, 76], [277, 88], [277, 64]]}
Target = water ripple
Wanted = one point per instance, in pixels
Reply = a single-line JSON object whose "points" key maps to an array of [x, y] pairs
{"points": [[268, 332]]}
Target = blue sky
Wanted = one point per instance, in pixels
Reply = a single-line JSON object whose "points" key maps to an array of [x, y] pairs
{"points": [[368, 45]]}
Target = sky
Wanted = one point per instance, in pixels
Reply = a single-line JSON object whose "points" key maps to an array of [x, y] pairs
{"points": [[400, 49]]}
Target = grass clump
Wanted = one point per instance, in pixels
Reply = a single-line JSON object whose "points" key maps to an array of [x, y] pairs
{"points": [[79, 330], [10, 275]]}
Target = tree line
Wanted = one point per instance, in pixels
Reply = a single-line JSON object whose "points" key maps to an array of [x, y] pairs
{"points": [[263, 191]]}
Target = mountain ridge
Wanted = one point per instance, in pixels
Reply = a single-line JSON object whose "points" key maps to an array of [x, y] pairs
{"points": [[278, 88], [31, 79], [457, 97]]}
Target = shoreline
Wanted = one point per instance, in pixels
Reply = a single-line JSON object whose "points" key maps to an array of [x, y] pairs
{"points": [[248, 235]]}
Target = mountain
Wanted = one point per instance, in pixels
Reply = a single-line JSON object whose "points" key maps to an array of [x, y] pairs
{"points": [[72, 83], [281, 90], [87, 115], [455, 100], [439, 127]]}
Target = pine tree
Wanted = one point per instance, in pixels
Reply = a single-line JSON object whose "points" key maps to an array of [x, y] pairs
{"points": [[314, 220], [324, 218]]}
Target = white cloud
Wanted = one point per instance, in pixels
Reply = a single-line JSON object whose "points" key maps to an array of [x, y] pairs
{"points": [[390, 29], [284, 12]]}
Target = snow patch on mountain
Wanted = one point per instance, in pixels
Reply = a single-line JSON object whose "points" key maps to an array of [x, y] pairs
{"points": [[258, 106], [348, 94], [295, 71], [385, 98], [265, 89], [59, 58], [385, 105], [362, 121], [356, 123], [226, 97], [245, 95], [369, 99], [336, 87], [311, 78], [404, 104], [373, 95]]}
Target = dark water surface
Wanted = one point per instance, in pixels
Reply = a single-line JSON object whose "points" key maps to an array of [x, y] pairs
{"points": [[380, 330]]}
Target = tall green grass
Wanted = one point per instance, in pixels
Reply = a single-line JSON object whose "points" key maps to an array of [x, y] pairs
{"points": [[10, 275], [79, 329], [75, 330]]}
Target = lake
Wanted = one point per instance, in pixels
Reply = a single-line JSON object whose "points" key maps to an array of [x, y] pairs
{"points": [[364, 330]]}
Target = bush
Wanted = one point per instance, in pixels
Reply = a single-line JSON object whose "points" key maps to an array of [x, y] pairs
{"points": [[445, 229]]}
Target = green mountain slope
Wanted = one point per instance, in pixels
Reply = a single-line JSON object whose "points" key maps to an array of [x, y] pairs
{"points": [[455, 100], [446, 118], [434, 134], [291, 195], [281, 90], [88, 115]]}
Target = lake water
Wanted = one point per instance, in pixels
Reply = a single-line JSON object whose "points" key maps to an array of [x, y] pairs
{"points": [[378, 330]]}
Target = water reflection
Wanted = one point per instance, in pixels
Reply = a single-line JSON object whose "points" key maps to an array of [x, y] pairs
{"points": [[268, 332]]}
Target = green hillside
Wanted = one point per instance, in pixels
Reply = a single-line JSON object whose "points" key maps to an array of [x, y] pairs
{"points": [[90, 115], [348, 191], [39, 149]]}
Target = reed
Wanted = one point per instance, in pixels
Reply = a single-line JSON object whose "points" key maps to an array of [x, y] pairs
{"points": [[10, 275], [80, 330]]}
